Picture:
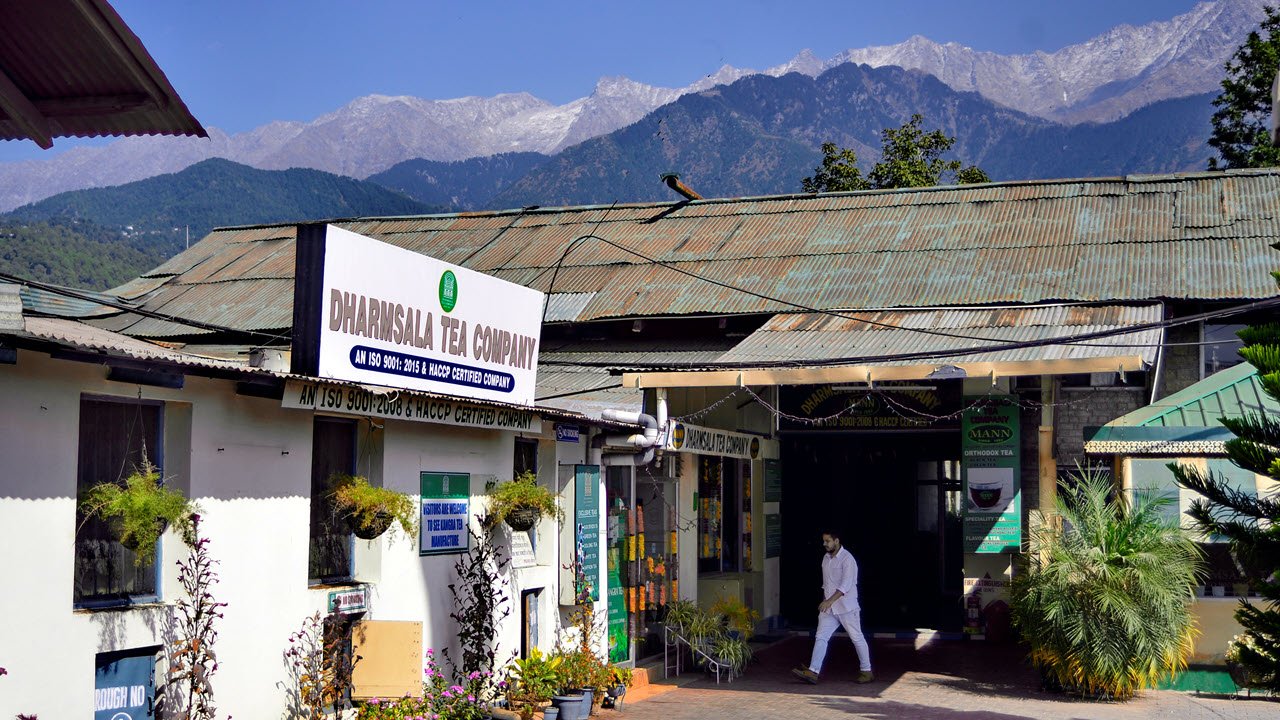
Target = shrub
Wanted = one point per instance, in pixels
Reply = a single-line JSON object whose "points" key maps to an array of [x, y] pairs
{"points": [[1102, 598]]}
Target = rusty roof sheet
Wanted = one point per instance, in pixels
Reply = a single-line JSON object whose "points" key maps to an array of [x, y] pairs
{"points": [[80, 71], [1203, 236], [814, 336]]}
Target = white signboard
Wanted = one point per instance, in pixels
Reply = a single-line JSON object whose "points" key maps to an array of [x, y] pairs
{"points": [[393, 317], [522, 555], [302, 395], [683, 437]]}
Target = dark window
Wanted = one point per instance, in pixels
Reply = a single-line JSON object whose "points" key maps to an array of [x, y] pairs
{"points": [[333, 452], [115, 437], [1221, 348], [526, 459]]}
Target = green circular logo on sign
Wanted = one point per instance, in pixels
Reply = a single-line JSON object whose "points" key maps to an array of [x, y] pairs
{"points": [[448, 291]]}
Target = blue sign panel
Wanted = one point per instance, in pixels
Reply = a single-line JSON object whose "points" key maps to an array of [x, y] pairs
{"points": [[124, 687], [567, 433], [587, 521]]}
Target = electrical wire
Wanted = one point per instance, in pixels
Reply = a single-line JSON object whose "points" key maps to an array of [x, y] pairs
{"points": [[177, 320], [1078, 338]]}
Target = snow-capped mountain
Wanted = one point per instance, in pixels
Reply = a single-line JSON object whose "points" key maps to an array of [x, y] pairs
{"points": [[1101, 79]]}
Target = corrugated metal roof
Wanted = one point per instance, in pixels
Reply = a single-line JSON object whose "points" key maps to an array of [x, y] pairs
{"points": [[814, 336], [82, 72], [1229, 393], [565, 307], [1203, 236], [80, 336]]}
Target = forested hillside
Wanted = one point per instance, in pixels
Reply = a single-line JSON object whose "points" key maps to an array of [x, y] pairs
{"points": [[156, 214], [76, 253], [464, 184]]}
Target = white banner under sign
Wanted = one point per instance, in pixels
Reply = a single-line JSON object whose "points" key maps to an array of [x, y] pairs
{"points": [[303, 395], [390, 316], [683, 437]]}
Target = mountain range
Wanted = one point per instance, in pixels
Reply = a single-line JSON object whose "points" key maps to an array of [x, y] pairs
{"points": [[1105, 78]]}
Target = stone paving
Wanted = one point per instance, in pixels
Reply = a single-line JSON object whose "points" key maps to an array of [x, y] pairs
{"points": [[940, 680]]}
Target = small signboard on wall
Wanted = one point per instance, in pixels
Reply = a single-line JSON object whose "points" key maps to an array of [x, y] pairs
{"points": [[124, 685], [446, 508], [773, 535], [772, 480]]}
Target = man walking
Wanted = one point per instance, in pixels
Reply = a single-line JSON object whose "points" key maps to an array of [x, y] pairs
{"points": [[839, 608]]}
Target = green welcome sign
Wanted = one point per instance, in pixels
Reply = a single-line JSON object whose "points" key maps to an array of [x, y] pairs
{"points": [[991, 470]]}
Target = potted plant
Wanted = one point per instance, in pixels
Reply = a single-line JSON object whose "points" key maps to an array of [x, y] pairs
{"points": [[679, 613], [521, 503], [620, 679], [139, 510], [371, 511], [533, 682], [740, 618]]}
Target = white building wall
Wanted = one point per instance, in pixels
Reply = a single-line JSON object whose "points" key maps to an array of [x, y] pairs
{"points": [[250, 465]]}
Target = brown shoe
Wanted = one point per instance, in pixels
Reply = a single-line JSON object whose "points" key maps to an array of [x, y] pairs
{"points": [[805, 674], [866, 676]]}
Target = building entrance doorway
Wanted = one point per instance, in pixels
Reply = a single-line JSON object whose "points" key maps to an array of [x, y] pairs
{"points": [[894, 497]]}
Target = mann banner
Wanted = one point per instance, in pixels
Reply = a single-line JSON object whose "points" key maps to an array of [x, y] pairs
{"points": [[991, 481]]}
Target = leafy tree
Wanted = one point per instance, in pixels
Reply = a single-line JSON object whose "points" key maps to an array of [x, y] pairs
{"points": [[1250, 524], [839, 172], [911, 158], [1241, 123], [1102, 595]]}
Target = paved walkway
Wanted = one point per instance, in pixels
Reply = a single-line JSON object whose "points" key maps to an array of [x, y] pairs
{"points": [[942, 680]]}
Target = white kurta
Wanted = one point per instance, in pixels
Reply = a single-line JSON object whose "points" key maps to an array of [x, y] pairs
{"points": [[840, 573]]}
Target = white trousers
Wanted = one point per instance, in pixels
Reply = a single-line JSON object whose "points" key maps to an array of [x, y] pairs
{"points": [[827, 624]]}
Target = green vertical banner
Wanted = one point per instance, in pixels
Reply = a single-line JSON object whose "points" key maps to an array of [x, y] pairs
{"points": [[991, 476], [587, 524], [619, 643]]}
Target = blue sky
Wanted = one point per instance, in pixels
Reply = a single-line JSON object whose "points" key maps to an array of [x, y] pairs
{"points": [[239, 65]]}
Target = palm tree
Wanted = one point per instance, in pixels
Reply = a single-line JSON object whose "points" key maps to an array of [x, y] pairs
{"points": [[1103, 590]]}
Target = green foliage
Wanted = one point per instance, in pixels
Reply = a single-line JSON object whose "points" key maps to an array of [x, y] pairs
{"points": [[138, 509], [1248, 522], [738, 617], [75, 253], [1242, 121], [523, 492], [534, 679], [838, 172], [369, 508], [679, 612], [911, 157], [1101, 594]]}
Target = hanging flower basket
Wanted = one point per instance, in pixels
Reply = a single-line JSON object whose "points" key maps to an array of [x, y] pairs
{"points": [[115, 526], [522, 518], [373, 527]]}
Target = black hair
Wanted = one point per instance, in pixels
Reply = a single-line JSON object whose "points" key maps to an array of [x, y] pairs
{"points": [[833, 533]]}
